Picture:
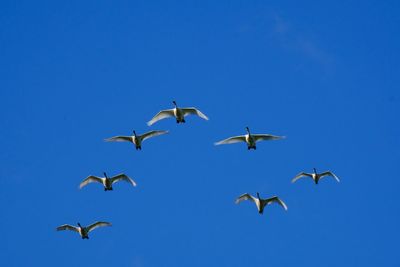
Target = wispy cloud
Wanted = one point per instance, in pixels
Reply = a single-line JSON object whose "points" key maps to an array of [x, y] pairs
{"points": [[137, 262], [298, 41], [315, 52], [280, 25]]}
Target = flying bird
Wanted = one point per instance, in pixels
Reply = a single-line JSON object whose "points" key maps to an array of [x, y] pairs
{"points": [[106, 181], [178, 113], [260, 202], [249, 139], [135, 138], [315, 176], [83, 231]]}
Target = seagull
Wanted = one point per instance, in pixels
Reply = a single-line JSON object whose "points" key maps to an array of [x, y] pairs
{"points": [[83, 231], [261, 203], [178, 113], [249, 139], [315, 176], [135, 138], [107, 182]]}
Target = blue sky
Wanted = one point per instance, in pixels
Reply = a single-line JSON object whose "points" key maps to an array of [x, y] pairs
{"points": [[324, 74]]}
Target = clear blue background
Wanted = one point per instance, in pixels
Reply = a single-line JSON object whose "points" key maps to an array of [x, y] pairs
{"points": [[323, 73]]}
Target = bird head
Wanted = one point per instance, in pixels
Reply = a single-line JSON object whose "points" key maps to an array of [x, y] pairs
{"points": [[79, 225], [247, 129]]}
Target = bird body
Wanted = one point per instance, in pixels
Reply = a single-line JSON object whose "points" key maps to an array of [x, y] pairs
{"points": [[249, 139], [178, 113], [107, 184], [251, 142], [315, 176], [83, 231], [136, 139], [260, 202], [106, 181]]}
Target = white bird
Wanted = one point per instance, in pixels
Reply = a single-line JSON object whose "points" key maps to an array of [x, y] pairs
{"points": [[178, 113], [261, 203], [107, 182], [249, 139], [315, 176], [83, 231], [135, 138]]}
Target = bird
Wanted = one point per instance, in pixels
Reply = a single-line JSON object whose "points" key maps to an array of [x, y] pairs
{"points": [[315, 176], [83, 231], [106, 181], [260, 202], [135, 138], [178, 113], [249, 139]]}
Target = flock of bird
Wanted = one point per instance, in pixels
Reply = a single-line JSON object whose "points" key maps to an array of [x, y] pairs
{"points": [[179, 114]]}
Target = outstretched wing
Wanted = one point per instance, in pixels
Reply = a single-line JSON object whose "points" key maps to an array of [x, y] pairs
{"points": [[119, 139], [232, 140], [194, 111], [96, 225], [122, 177], [243, 197], [152, 134], [91, 179], [161, 115], [328, 173], [67, 227], [302, 174], [274, 199], [259, 137]]}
